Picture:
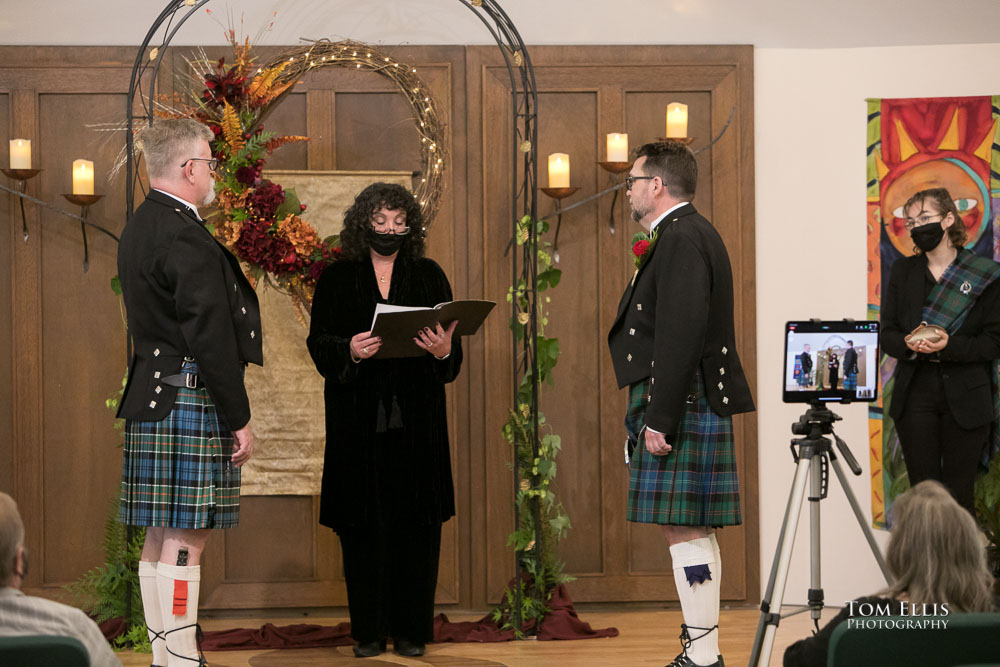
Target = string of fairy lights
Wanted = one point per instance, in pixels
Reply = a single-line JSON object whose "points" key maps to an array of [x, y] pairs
{"points": [[428, 122]]}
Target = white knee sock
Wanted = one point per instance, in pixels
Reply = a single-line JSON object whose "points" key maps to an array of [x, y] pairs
{"points": [[151, 610], [182, 644], [700, 601]]}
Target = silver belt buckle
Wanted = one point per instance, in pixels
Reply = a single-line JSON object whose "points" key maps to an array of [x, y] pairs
{"points": [[190, 379], [691, 399]]}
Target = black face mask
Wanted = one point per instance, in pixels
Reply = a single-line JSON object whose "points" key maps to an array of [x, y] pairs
{"points": [[927, 237], [385, 244]]}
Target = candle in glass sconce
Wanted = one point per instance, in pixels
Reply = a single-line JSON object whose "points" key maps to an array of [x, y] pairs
{"points": [[83, 177], [677, 120], [20, 154], [617, 147], [559, 170]]}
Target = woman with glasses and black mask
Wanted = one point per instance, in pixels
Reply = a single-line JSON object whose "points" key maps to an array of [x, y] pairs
{"points": [[941, 321], [387, 484]]}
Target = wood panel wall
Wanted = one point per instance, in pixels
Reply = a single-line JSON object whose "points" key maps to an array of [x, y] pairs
{"points": [[65, 341]]}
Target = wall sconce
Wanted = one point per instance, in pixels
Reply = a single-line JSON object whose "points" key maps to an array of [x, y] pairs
{"points": [[84, 197], [559, 188], [21, 171]]}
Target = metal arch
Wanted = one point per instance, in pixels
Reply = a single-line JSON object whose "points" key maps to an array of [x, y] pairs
{"points": [[524, 106]]}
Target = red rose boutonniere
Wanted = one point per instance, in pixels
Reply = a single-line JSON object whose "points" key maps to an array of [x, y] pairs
{"points": [[642, 244]]}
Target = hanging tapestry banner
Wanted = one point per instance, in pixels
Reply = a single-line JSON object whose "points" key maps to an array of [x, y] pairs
{"points": [[915, 144]]}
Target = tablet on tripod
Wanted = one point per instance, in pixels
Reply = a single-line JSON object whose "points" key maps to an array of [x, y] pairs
{"points": [[830, 361]]}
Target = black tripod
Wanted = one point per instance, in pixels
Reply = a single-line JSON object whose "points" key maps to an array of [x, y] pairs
{"points": [[813, 458]]}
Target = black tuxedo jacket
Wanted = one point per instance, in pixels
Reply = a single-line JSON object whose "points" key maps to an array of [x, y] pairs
{"points": [[677, 316], [966, 362], [185, 295], [850, 361]]}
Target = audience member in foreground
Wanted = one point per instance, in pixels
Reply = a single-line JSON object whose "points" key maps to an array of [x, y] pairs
{"points": [[938, 562]]}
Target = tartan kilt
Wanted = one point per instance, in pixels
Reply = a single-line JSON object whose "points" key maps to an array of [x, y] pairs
{"points": [[851, 381], [177, 473], [696, 483]]}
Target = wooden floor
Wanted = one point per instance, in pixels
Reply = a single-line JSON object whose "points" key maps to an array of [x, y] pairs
{"points": [[645, 638]]}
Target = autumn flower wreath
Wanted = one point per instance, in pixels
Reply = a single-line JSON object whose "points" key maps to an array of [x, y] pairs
{"points": [[257, 219]]}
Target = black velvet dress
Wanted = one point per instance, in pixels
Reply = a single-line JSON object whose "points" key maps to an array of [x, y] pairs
{"points": [[387, 456], [387, 484]]}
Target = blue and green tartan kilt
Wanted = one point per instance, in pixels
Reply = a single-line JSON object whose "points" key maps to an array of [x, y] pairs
{"points": [[178, 472], [696, 483], [851, 381]]}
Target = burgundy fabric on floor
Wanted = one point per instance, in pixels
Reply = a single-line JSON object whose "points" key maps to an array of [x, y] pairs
{"points": [[561, 623], [272, 636]]}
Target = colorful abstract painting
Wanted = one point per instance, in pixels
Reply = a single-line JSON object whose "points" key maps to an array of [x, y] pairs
{"points": [[915, 144]]}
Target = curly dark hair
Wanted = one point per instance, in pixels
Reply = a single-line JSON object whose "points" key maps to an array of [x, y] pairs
{"points": [[358, 220]]}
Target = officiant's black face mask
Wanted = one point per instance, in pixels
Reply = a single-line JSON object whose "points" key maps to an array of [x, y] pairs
{"points": [[927, 237], [385, 244]]}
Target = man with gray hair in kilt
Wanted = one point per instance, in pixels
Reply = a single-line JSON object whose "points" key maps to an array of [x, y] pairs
{"points": [[195, 324], [673, 345]]}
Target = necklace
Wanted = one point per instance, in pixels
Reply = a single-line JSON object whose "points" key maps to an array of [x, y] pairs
{"points": [[383, 274]]}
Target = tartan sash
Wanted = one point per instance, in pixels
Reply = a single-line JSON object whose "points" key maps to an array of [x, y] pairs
{"points": [[949, 303], [956, 292]]}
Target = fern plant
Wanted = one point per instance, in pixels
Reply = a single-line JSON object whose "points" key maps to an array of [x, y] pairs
{"points": [[112, 590]]}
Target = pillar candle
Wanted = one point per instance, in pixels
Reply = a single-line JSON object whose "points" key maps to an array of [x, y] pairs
{"points": [[20, 154], [559, 170], [617, 147], [83, 177], [677, 120]]}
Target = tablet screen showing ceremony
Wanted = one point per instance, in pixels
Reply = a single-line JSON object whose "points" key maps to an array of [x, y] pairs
{"points": [[830, 361]]}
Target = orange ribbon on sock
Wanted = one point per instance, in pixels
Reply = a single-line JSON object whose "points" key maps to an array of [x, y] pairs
{"points": [[180, 597]]}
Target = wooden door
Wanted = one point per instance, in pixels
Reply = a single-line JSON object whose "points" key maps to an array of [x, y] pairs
{"points": [[585, 93]]}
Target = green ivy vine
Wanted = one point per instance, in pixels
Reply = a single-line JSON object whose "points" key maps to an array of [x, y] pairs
{"points": [[542, 518]]}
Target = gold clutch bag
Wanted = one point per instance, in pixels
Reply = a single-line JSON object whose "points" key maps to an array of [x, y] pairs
{"points": [[928, 332]]}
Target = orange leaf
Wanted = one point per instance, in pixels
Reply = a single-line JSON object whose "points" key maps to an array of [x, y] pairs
{"points": [[231, 128]]}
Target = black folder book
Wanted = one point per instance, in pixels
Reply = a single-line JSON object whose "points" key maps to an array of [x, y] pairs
{"points": [[398, 325]]}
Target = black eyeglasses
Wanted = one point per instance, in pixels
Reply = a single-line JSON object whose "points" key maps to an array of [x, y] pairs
{"points": [[630, 180], [213, 163]]}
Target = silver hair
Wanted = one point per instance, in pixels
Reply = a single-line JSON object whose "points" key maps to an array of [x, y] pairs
{"points": [[11, 536], [935, 553], [170, 141]]}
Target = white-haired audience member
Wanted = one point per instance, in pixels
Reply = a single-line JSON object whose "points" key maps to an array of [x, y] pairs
{"points": [[936, 558], [22, 614]]}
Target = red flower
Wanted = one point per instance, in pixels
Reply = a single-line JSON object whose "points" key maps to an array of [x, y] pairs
{"points": [[246, 175], [640, 248], [266, 198], [223, 86]]}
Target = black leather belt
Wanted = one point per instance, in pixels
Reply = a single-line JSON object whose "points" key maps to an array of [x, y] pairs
{"points": [[185, 379], [188, 380]]}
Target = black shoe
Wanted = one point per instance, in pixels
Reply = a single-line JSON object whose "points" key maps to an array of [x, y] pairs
{"points": [[409, 649], [683, 661], [369, 649]]}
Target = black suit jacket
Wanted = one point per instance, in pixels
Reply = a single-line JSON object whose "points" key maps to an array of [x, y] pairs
{"points": [[677, 316], [966, 362], [850, 361], [185, 295]]}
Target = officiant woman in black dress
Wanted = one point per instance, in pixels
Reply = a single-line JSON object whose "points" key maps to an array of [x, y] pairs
{"points": [[387, 485]]}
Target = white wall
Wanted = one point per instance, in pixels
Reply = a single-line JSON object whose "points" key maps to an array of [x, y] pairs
{"points": [[810, 171]]}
